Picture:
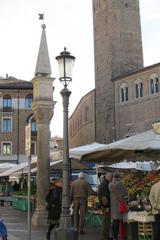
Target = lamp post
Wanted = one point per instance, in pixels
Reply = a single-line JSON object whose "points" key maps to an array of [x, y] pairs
{"points": [[65, 230]]}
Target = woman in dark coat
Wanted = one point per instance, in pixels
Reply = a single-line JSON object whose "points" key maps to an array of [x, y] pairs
{"points": [[54, 199]]}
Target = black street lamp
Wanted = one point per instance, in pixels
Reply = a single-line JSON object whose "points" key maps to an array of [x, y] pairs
{"points": [[65, 230]]}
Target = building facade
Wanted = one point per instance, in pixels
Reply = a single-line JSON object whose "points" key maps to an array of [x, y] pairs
{"points": [[15, 113], [56, 144], [126, 93], [82, 122]]}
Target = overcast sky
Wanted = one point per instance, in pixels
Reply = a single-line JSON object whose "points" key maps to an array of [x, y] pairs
{"points": [[69, 23]]}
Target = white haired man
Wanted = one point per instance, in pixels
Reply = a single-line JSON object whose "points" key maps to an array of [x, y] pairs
{"points": [[80, 189]]}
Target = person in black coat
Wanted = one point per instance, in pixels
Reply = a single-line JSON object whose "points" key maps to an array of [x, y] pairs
{"points": [[104, 199], [16, 187], [54, 201]]}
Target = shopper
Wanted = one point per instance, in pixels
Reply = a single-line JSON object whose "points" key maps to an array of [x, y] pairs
{"points": [[3, 230], [79, 192], [104, 198], [54, 199], [154, 198], [16, 187], [118, 192]]}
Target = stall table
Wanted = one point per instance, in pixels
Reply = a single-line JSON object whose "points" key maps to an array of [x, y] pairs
{"points": [[21, 202], [93, 218], [139, 225]]}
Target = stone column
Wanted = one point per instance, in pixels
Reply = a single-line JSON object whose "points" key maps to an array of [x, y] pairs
{"points": [[42, 107]]}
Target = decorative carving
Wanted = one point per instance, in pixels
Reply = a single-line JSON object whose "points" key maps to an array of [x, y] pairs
{"points": [[43, 113]]}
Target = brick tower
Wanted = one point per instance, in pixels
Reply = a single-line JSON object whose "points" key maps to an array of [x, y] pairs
{"points": [[118, 51]]}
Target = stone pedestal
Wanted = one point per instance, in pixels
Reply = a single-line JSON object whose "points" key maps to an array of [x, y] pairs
{"points": [[40, 217], [42, 107]]}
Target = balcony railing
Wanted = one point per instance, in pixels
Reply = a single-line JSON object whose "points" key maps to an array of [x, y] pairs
{"points": [[7, 109], [33, 133]]}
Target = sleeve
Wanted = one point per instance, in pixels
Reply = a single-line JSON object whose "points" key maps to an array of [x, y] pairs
{"points": [[52, 196], [152, 199], [103, 191], [48, 197]]}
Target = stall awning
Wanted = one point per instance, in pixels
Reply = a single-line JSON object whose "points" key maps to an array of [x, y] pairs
{"points": [[78, 152], [20, 167], [143, 146]]}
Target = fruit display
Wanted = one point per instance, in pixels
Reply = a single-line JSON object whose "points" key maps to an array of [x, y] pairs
{"points": [[139, 183], [93, 202]]}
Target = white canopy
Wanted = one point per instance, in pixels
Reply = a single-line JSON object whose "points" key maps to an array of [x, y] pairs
{"points": [[54, 165], [20, 167], [144, 146], [126, 165], [57, 165], [78, 152], [6, 166]]}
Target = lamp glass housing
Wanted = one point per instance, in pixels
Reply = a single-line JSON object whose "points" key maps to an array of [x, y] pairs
{"points": [[65, 67]]}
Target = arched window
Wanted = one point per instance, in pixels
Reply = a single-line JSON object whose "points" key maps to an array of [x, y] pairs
{"points": [[33, 124], [28, 101], [7, 102], [123, 92], [138, 88], [154, 84]]}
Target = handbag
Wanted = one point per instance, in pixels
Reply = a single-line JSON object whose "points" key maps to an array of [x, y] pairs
{"points": [[122, 207]]}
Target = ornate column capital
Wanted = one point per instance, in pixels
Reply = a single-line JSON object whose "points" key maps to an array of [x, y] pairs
{"points": [[43, 111]]}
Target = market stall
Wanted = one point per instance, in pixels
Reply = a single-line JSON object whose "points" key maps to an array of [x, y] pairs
{"points": [[20, 198], [143, 146], [139, 218]]}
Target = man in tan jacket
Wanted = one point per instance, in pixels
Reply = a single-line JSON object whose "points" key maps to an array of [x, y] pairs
{"points": [[154, 198], [80, 189]]}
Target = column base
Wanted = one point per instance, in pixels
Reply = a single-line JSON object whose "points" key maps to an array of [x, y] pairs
{"points": [[65, 234], [39, 218]]}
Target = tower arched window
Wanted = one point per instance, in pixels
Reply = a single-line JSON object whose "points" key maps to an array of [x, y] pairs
{"points": [[7, 102], [157, 85], [138, 88], [141, 89], [28, 101], [154, 84], [124, 92]]}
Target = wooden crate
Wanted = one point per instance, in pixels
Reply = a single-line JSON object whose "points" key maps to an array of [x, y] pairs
{"points": [[145, 231], [132, 231]]}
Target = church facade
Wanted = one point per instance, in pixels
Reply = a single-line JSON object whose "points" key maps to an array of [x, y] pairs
{"points": [[126, 97]]}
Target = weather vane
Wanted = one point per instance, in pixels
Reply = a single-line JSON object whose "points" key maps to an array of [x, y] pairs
{"points": [[41, 16]]}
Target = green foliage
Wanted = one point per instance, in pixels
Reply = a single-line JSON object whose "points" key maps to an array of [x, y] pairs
{"points": [[24, 192]]}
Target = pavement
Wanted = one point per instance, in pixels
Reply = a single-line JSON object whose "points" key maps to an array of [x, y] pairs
{"points": [[16, 222]]}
